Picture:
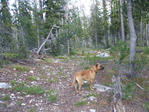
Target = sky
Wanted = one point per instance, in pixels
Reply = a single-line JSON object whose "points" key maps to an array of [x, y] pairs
{"points": [[81, 4]]}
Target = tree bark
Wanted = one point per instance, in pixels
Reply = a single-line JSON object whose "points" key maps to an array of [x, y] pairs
{"points": [[122, 21], [133, 37], [147, 34]]}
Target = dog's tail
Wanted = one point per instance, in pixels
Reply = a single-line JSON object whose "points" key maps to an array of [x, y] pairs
{"points": [[73, 82]]}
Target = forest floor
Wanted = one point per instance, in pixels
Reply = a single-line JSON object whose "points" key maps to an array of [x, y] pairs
{"points": [[43, 86]]}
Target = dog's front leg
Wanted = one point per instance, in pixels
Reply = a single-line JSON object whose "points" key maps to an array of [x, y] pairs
{"points": [[91, 84]]}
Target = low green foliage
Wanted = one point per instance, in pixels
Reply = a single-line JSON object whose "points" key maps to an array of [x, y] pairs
{"points": [[6, 97], [32, 78], [48, 60], [139, 64], [80, 103], [19, 102], [52, 96], [119, 51], [146, 105], [62, 57], [22, 87], [4, 62], [32, 109], [94, 59], [21, 68], [146, 50], [13, 82], [86, 67], [129, 91]]}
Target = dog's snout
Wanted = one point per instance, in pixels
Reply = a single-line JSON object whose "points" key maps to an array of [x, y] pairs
{"points": [[102, 68]]}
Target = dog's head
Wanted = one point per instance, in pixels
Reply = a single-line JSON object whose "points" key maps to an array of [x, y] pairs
{"points": [[99, 66]]}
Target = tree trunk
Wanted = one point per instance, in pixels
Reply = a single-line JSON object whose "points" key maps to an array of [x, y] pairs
{"points": [[122, 21], [147, 34], [133, 37]]}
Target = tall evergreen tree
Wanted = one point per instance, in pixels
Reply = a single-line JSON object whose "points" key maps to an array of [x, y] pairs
{"points": [[5, 26]]}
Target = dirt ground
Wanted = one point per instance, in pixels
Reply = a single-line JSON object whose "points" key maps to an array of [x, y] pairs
{"points": [[56, 74]]}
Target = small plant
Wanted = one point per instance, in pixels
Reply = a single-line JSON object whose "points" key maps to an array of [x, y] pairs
{"points": [[48, 60], [119, 51], [94, 59], [13, 82], [51, 96], [32, 78], [5, 98], [32, 109], [80, 103], [21, 68], [146, 105], [19, 102], [21, 87], [146, 50], [87, 67], [129, 91], [54, 79]]}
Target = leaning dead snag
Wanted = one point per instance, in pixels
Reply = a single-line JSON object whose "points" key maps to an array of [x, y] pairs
{"points": [[50, 36]]}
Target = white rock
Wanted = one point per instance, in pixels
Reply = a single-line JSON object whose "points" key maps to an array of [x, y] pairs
{"points": [[12, 96], [104, 54], [101, 88], [92, 98], [23, 104], [31, 72], [92, 110], [4, 85]]}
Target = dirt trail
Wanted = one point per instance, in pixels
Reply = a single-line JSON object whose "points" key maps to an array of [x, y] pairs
{"points": [[53, 74]]}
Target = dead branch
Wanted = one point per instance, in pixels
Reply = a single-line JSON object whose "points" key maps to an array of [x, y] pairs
{"points": [[49, 35]]}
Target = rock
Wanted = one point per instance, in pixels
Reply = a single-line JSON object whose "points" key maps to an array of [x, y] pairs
{"points": [[92, 110], [104, 54], [101, 88], [12, 104], [12, 96], [31, 72], [4, 85], [92, 98]]}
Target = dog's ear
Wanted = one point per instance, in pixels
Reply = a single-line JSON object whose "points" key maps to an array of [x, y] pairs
{"points": [[97, 64]]}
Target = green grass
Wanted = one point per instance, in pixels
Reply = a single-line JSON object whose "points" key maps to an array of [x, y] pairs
{"points": [[21, 68], [94, 59], [48, 60], [13, 82], [146, 105], [21, 87], [32, 78], [80, 103], [32, 109], [5, 98], [51, 96], [146, 50], [62, 57], [86, 67], [129, 91]]}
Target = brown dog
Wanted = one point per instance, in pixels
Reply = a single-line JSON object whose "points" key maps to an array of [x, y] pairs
{"points": [[88, 75]]}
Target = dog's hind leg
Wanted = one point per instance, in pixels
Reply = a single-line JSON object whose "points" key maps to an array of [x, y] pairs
{"points": [[76, 86]]}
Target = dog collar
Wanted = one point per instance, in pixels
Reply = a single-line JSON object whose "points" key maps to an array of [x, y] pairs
{"points": [[94, 70]]}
